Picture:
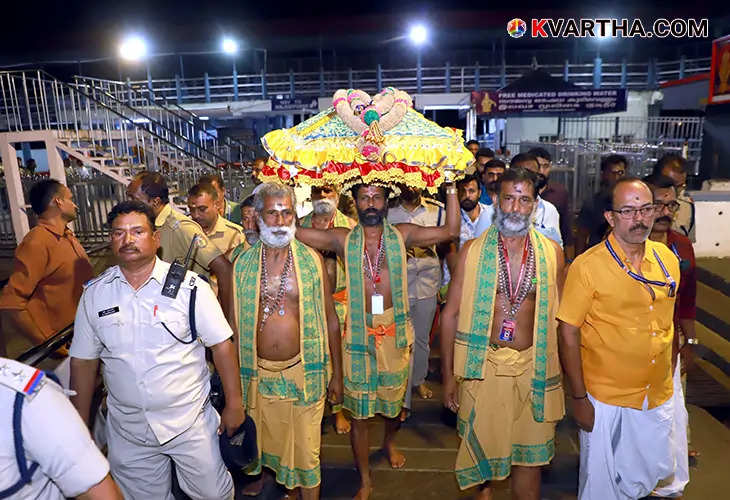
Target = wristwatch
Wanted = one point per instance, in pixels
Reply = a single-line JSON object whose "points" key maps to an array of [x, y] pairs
{"points": [[693, 341]]}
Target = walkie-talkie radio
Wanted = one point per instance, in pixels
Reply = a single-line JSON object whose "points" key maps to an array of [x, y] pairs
{"points": [[176, 274]]}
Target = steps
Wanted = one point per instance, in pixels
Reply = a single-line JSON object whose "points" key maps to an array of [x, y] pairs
{"points": [[713, 328]]}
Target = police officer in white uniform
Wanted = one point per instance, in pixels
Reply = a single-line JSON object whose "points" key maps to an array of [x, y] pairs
{"points": [[154, 368], [53, 436]]}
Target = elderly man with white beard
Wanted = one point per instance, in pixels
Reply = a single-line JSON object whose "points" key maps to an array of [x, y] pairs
{"points": [[499, 337], [289, 344]]}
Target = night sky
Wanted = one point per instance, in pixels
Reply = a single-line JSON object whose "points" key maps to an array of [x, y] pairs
{"points": [[85, 29]]}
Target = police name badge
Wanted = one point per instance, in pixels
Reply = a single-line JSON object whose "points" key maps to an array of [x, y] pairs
{"points": [[376, 304], [21, 378]]}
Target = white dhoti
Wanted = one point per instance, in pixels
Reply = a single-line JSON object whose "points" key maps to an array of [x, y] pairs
{"points": [[674, 485], [628, 452]]}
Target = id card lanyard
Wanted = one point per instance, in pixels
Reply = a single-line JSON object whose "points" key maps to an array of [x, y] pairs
{"points": [[507, 332], [670, 283], [376, 300]]}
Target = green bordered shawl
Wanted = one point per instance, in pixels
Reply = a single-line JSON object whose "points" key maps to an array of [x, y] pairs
{"points": [[312, 319], [341, 220], [395, 253], [478, 302]]}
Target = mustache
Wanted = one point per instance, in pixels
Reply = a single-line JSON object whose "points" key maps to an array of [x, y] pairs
{"points": [[638, 226], [664, 218], [127, 248]]}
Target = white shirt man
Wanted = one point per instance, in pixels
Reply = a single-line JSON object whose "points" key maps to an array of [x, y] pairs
{"points": [[54, 437]]}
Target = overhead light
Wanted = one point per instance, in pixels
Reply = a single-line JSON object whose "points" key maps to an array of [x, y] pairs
{"points": [[418, 34], [229, 45], [133, 48], [204, 118], [140, 120]]}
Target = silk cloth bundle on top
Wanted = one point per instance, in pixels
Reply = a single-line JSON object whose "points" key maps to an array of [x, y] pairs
{"points": [[380, 140]]}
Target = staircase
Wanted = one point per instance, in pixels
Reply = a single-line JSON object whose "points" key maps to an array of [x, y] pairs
{"points": [[113, 133], [100, 130], [174, 117], [712, 387]]}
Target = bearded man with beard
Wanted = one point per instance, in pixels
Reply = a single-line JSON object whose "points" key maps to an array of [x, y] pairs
{"points": [[379, 333], [546, 218], [615, 334], [558, 195], [498, 336], [289, 344]]}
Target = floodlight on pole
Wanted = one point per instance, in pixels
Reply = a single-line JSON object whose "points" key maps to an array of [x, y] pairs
{"points": [[133, 48], [418, 34], [229, 45]]}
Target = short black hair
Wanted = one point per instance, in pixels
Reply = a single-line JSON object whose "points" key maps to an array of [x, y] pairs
{"points": [[541, 153], [667, 160], [41, 194], [213, 179], [623, 180], [516, 175], [614, 159], [471, 141], [247, 202], [495, 164], [486, 152], [202, 188], [658, 181], [467, 179], [129, 207], [154, 185], [354, 190], [523, 158]]}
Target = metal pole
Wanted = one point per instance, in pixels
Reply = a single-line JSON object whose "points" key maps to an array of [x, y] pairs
{"points": [[419, 83], [447, 77], [597, 73], [235, 81]]}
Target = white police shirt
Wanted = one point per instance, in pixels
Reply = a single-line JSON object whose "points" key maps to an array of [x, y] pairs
{"points": [[54, 436], [152, 379]]}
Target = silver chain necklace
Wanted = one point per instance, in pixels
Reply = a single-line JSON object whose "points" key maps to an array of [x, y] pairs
{"points": [[367, 265], [511, 304], [269, 301]]}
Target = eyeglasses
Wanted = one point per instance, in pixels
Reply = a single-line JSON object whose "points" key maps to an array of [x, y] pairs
{"points": [[672, 206], [630, 213]]}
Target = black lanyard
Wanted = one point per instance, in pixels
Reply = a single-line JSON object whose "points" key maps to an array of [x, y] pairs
{"points": [[669, 283]]}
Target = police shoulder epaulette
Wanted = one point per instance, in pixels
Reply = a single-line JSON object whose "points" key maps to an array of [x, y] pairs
{"points": [[20, 377], [434, 202], [233, 225], [98, 278]]}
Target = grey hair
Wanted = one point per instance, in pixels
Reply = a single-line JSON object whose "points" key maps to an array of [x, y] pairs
{"points": [[272, 190]]}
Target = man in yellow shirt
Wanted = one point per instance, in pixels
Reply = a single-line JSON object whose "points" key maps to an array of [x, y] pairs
{"points": [[615, 339]]}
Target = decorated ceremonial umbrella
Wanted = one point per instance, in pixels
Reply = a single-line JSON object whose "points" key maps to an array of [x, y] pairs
{"points": [[380, 140]]}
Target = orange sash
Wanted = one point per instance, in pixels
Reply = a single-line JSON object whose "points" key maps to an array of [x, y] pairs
{"points": [[381, 331]]}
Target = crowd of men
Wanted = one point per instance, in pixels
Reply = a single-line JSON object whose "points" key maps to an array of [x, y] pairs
{"points": [[332, 311]]}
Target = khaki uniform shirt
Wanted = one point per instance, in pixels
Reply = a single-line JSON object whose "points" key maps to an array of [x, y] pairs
{"points": [[176, 232], [226, 236], [424, 268], [153, 379], [49, 271]]}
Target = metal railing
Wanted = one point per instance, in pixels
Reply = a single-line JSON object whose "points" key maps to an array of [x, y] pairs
{"points": [[172, 116], [577, 165], [96, 194], [636, 133], [97, 124], [421, 79]]}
